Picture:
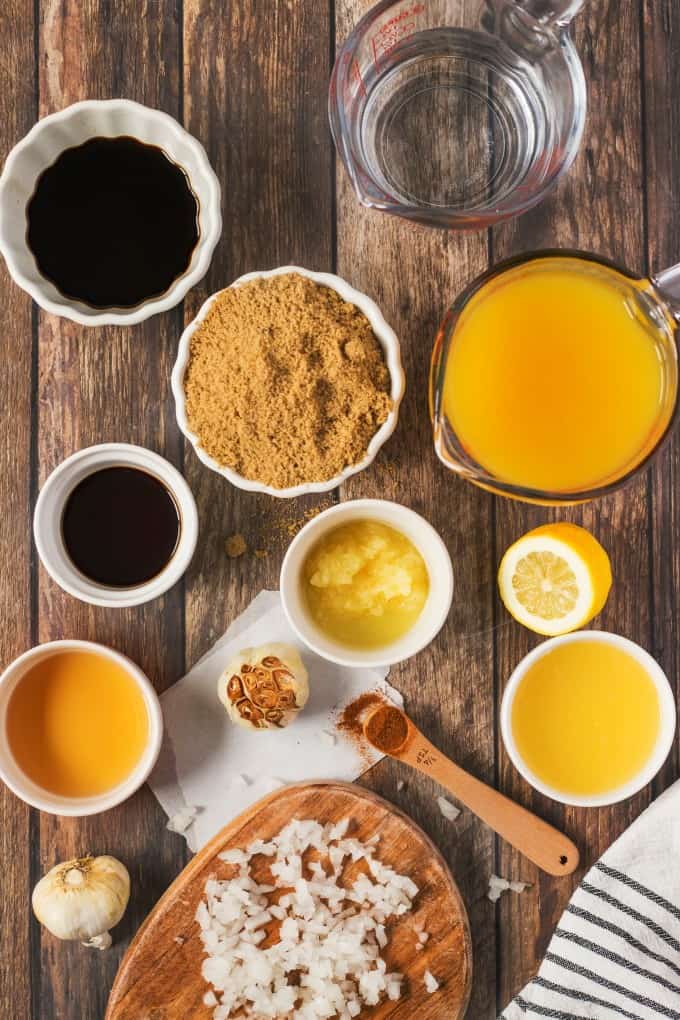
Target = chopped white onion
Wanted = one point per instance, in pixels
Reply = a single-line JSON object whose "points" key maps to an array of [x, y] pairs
{"points": [[324, 940], [497, 886], [181, 821], [449, 810], [431, 983]]}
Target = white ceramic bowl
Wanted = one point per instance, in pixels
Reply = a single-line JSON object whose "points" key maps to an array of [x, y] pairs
{"points": [[383, 333], [49, 511], [427, 542], [73, 126], [20, 784], [666, 730]]}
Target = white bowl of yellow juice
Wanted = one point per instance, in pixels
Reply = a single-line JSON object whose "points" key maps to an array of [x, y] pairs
{"points": [[367, 582], [588, 718], [81, 727]]}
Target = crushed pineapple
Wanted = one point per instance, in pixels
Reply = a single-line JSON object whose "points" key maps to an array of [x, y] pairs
{"points": [[365, 584]]}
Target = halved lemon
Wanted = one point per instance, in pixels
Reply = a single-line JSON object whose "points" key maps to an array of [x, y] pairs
{"points": [[555, 578]]}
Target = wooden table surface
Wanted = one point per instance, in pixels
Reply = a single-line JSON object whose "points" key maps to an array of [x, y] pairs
{"points": [[249, 79]]}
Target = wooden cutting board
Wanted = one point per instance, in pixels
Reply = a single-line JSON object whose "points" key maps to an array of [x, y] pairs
{"points": [[160, 975]]}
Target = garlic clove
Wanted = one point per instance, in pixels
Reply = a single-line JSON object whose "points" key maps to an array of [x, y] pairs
{"points": [[82, 898], [264, 688]]}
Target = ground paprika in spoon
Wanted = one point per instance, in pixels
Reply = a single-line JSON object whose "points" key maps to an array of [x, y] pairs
{"points": [[387, 729]]}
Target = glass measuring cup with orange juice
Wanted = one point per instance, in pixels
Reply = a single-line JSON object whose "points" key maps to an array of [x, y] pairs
{"points": [[554, 377]]}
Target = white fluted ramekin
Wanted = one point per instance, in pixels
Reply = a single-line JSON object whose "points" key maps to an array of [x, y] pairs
{"points": [[385, 336], [40, 148]]}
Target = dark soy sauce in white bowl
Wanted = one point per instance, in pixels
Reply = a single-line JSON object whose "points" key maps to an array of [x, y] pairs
{"points": [[113, 222]]}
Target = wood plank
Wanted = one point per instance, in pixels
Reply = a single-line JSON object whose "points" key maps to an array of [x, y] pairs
{"points": [[413, 273], [661, 85], [161, 977], [17, 824], [255, 80], [597, 207], [100, 385]]}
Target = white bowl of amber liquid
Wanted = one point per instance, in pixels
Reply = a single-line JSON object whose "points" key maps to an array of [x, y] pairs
{"points": [[81, 727], [367, 583]]}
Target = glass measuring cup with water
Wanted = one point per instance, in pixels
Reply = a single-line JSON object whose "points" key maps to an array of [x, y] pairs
{"points": [[458, 113]]}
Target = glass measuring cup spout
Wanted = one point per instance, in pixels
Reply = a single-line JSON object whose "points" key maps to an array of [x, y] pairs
{"points": [[458, 114]]}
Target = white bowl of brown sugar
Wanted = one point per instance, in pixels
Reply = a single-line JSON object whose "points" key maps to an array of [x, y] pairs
{"points": [[288, 382]]}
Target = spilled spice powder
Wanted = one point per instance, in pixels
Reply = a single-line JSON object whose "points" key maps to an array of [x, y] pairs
{"points": [[286, 381], [387, 729], [351, 723]]}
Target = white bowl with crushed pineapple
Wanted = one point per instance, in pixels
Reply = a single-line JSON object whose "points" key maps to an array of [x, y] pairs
{"points": [[367, 583]]}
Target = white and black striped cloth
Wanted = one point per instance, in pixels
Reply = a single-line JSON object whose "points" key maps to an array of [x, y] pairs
{"points": [[616, 952]]}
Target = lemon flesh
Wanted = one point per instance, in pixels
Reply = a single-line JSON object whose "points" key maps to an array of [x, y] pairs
{"points": [[555, 579]]}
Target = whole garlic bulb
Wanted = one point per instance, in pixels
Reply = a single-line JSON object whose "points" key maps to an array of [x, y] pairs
{"points": [[82, 899], [264, 688]]}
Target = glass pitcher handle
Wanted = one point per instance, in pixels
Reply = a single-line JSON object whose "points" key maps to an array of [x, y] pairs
{"points": [[530, 27], [667, 282], [551, 13]]}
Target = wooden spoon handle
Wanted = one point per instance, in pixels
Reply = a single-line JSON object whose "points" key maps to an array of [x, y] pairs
{"points": [[546, 846]]}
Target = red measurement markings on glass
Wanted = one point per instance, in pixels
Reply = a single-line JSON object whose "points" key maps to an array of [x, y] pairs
{"points": [[371, 188], [357, 79], [399, 27]]}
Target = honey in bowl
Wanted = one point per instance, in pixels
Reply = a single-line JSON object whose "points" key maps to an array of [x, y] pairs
{"points": [[77, 724], [364, 584], [585, 718]]}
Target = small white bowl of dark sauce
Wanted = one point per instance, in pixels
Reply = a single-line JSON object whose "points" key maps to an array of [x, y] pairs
{"points": [[109, 212], [115, 525]]}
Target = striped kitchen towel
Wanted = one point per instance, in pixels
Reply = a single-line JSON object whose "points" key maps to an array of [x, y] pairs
{"points": [[616, 951]]}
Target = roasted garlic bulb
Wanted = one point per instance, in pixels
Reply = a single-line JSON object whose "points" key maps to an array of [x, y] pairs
{"points": [[264, 688]]}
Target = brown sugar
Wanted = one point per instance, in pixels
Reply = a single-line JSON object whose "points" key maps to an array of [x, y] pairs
{"points": [[286, 382], [387, 729], [235, 546]]}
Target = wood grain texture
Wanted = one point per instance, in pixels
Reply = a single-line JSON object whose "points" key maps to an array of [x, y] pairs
{"points": [[99, 385], [597, 207], [160, 978], [17, 823], [660, 84], [413, 273], [255, 82], [249, 79]]}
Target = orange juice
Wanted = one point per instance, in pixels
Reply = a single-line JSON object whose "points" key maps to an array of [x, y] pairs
{"points": [[77, 724], [585, 718], [561, 374]]}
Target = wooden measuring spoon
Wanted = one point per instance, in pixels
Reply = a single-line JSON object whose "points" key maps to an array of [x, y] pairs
{"points": [[391, 731]]}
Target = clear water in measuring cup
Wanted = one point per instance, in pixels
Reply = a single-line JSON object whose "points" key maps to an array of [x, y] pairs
{"points": [[455, 119]]}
